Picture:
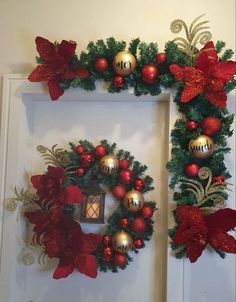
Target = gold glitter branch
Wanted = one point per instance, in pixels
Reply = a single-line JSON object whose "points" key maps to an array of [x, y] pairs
{"points": [[211, 192], [58, 157], [196, 33]]}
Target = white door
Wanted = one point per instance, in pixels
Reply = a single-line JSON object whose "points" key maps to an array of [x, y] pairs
{"points": [[140, 125]]}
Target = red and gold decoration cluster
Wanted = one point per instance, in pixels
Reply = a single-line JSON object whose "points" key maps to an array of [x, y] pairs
{"points": [[62, 187]]}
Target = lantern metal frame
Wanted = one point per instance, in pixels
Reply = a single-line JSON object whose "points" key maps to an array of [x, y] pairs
{"points": [[91, 192]]}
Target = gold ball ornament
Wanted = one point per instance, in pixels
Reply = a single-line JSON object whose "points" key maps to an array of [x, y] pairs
{"points": [[124, 63], [109, 164], [133, 201], [122, 242], [201, 147]]}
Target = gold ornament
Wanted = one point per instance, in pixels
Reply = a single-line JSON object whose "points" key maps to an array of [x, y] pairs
{"points": [[124, 63], [109, 164], [201, 147], [133, 201], [122, 242]]}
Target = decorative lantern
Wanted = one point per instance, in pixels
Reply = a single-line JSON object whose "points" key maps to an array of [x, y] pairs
{"points": [[92, 209]]}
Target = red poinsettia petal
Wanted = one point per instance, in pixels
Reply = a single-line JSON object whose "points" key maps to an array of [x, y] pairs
{"points": [[90, 243], [66, 50], [222, 241], [72, 72], [190, 215], [203, 63], [217, 98], [51, 240], [72, 194], [194, 250], [37, 217], [35, 180], [224, 71], [86, 264], [55, 90], [45, 48], [56, 213], [191, 90], [63, 270], [41, 73], [206, 57], [177, 71], [224, 220], [57, 173]]}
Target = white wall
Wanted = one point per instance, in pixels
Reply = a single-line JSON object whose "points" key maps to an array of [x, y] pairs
{"points": [[89, 20]]}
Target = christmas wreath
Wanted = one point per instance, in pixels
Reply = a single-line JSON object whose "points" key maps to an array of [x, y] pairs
{"points": [[202, 77], [73, 178]]}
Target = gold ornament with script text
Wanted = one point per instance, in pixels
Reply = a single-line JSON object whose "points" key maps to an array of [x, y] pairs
{"points": [[124, 63], [201, 147]]}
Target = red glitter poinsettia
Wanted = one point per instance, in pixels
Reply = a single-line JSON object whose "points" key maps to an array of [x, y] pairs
{"points": [[50, 187], [56, 65], [208, 76], [197, 229], [65, 240]]}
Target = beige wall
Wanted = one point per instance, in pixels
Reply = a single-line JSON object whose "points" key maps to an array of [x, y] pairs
{"points": [[86, 20]]}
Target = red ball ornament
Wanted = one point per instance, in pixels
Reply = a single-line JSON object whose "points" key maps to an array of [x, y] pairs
{"points": [[118, 192], [191, 170], [123, 163], [161, 58], [191, 125], [120, 259], [107, 254], [100, 151], [86, 159], [139, 225], [149, 74], [80, 149], [138, 243], [123, 222], [126, 176], [218, 178], [118, 81], [210, 125], [80, 171], [106, 240], [147, 211], [139, 184], [101, 65]]}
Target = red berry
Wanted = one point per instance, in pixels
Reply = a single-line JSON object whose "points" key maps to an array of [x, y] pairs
{"points": [[123, 164], [118, 192], [120, 259], [123, 222], [100, 151], [138, 243], [147, 211], [191, 170], [80, 171], [126, 176], [139, 184], [118, 81], [101, 65], [107, 254], [218, 178], [161, 58], [106, 240], [80, 149], [191, 125]]}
